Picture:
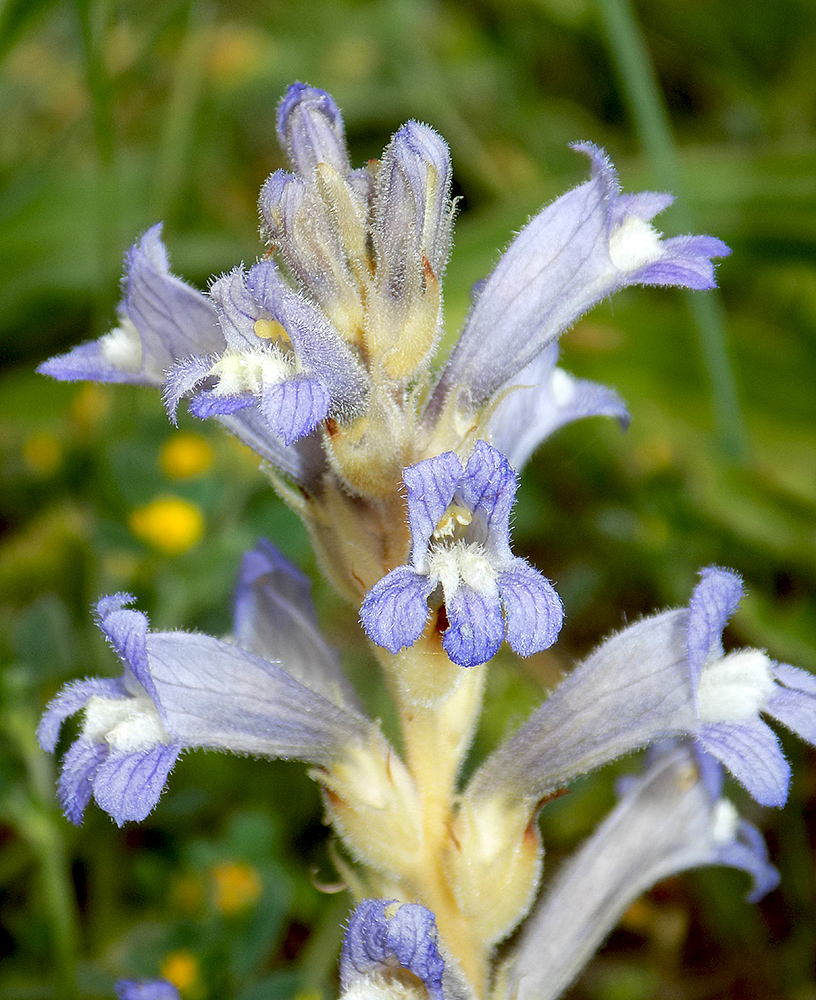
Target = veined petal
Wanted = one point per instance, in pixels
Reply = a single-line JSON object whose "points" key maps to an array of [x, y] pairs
{"points": [[430, 486], [304, 460], [79, 766], [384, 936], [685, 261], [237, 309], [213, 694], [666, 823], [212, 404], [634, 689], [532, 608], [715, 599], [476, 626], [161, 319], [91, 361], [319, 348], [275, 618], [543, 399], [174, 320], [128, 785], [583, 247], [412, 209], [488, 490], [793, 702], [395, 611], [751, 752], [294, 407], [644, 205], [181, 379], [126, 631]]}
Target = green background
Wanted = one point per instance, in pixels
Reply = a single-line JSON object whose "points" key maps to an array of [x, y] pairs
{"points": [[113, 116]]}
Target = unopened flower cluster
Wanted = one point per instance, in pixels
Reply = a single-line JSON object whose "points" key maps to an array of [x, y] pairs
{"points": [[322, 358]]}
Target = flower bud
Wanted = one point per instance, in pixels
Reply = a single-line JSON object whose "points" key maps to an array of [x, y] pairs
{"points": [[371, 800], [493, 864], [311, 131], [412, 217]]}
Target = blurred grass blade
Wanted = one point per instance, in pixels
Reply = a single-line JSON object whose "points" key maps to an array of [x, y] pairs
{"points": [[93, 20], [179, 124], [642, 93]]}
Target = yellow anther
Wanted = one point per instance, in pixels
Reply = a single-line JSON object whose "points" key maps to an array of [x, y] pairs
{"points": [[452, 523], [271, 329]]}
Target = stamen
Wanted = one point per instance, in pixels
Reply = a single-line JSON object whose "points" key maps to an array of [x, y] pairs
{"points": [[452, 524], [271, 329]]}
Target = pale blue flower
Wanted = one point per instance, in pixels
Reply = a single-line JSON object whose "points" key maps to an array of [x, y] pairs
{"points": [[161, 319], [589, 243], [146, 989], [543, 398], [181, 690], [275, 618], [664, 676], [667, 822], [281, 355], [461, 559]]}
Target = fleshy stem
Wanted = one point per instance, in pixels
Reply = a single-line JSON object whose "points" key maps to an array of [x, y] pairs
{"points": [[630, 56], [438, 727]]}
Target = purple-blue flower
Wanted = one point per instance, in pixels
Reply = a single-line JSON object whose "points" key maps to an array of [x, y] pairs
{"points": [[161, 319], [461, 558], [732, 690], [543, 398], [589, 243], [384, 936], [181, 690], [146, 989], [665, 676], [667, 821], [275, 618], [164, 323], [281, 355]]}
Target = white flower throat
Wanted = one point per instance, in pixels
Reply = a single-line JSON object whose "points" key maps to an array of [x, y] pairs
{"points": [[736, 687], [633, 244], [453, 561], [247, 372], [125, 724]]}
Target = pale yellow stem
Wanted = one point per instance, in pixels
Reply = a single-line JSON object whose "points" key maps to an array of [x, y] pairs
{"points": [[439, 704]]}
